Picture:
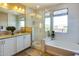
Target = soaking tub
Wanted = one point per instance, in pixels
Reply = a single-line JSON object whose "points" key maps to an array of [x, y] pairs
{"points": [[61, 45]]}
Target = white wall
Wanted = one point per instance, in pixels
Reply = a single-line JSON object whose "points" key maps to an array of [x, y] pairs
{"points": [[73, 23]]}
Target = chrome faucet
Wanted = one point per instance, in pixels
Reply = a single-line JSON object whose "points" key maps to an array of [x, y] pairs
{"points": [[53, 35]]}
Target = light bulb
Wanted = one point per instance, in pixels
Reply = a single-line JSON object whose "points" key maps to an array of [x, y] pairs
{"points": [[19, 9], [15, 7], [5, 4]]}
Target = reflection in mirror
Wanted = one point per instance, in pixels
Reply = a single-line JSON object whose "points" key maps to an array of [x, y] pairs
{"points": [[20, 22], [11, 20], [3, 21]]}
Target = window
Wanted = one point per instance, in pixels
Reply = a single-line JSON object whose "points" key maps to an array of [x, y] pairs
{"points": [[47, 24], [47, 21], [60, 20]]}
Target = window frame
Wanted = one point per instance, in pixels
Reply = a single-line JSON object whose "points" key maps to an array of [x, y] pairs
{"points": [[50, 24], [59, 15], [49, 16]]}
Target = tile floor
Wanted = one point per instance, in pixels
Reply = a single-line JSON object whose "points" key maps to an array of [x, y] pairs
{"points": [[32, 52]]}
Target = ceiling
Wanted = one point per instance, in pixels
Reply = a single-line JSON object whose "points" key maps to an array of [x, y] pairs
{"points": [[39, 5]]}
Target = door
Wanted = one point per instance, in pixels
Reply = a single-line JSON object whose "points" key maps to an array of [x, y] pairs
{"points": [[27, 41], [19, 43], [9, 46]]}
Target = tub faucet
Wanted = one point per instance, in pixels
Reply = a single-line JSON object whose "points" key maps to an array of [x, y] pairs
{"points": [[53, 35]]}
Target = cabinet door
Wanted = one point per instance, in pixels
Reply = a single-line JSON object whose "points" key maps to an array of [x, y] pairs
{"points": [[27, 41], [1, 47], [19, 43], [9, 46]]}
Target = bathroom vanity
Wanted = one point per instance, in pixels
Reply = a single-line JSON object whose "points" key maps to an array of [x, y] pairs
{"points": [[12, 44]]}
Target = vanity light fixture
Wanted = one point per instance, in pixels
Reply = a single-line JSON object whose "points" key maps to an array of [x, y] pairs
{"points": [[19, 9], [4, 5], [22, 10], [15, 8]]}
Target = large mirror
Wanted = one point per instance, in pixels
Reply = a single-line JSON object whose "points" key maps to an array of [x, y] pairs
{"points": [[20, 20], [9, 19]]}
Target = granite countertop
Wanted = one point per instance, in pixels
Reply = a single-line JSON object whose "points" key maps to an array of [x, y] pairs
{"points": [[9, 36]]}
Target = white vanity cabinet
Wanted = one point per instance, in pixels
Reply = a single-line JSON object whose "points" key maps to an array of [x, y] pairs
{"points": [[19, 43], [23, 42], [27, 41], [13, 45], [1, 47], [9, 46]]}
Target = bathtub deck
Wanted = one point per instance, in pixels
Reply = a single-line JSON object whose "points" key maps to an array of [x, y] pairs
{"points": [[58, 52]]}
